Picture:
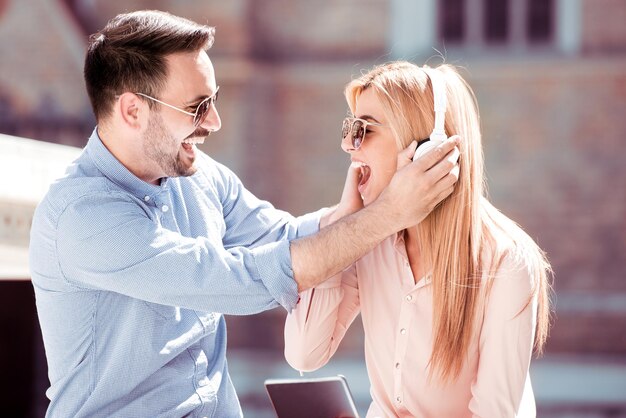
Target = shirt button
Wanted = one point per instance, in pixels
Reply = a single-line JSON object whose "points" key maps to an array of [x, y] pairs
{"points": [[403, 331], [397, 365], [165, 208], [398, 399], [146, 198], [409, 298]]}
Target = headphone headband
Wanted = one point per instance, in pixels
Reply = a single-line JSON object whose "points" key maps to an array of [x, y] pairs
{"points": [[440, 99]]}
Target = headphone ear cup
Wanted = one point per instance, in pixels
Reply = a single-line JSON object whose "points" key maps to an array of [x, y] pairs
{"points": [[426, 146]]}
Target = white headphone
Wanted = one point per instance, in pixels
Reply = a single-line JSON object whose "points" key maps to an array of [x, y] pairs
{"points": [[438, 135]]}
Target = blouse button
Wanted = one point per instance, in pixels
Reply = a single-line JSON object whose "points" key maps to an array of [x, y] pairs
{"points": [[165, 208], [403, 331], [409, 298], [399, 399], [146, 198], [397, 365]]}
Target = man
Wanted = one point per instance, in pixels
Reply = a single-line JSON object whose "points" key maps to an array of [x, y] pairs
{"points": [[140, 249]]}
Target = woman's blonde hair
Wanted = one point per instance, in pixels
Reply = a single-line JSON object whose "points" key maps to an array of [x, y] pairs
{"points": [[465, 238]]}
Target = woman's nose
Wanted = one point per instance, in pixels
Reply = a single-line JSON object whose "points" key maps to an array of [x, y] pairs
{"points": [[347, 146]]}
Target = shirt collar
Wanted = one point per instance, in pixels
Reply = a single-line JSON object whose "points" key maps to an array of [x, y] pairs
{"points": [[115, 171], [400, 248]]}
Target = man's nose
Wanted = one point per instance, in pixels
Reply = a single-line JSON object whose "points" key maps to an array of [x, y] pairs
{"points": [[212, 122]]}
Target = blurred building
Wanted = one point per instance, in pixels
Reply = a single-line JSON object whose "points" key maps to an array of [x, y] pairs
{"points": [[549, 75], [27, 168]]}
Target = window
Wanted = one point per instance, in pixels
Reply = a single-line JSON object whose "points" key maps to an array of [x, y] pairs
{"points": [[493, 23], [452, 22], [496, 22], [539, 20]]}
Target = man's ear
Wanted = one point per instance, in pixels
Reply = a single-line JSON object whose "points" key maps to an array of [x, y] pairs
{"points": [[132, 111]]}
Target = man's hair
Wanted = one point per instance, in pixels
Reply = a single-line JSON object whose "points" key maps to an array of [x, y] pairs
{"points": [[128, 54]]}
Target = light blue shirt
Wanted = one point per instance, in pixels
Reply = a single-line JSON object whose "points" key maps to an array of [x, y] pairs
{"points": [[131, 281]]}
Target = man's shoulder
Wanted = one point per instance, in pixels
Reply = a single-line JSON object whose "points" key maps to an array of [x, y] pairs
{"points": [[68, 189], [74, 188]]}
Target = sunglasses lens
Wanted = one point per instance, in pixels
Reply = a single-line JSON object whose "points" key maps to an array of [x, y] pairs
{"points": [[345, 128], [358, 132], [202, 111]]}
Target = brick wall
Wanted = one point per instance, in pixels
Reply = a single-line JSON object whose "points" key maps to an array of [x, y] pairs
{"points": [[41, 58], [603, 28], [553, 129], [554, 149], [553, 142]]}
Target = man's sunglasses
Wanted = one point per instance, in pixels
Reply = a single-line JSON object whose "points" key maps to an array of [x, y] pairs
{"points": [[356, 128], [202, 110]]}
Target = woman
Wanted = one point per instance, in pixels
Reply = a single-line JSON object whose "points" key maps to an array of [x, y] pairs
{"points": [[452, 307]]}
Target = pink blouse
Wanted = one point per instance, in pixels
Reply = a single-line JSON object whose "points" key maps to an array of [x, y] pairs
{"points": [[397, 320]]}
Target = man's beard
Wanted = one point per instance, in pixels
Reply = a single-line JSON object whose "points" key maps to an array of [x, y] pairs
{"points": [[164, 150]]}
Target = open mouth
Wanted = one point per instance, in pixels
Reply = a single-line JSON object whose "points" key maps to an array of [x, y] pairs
{"points": [[188, 143]]}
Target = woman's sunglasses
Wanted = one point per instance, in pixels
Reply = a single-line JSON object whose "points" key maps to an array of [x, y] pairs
{"points": [[356, 128], [202, 110]]}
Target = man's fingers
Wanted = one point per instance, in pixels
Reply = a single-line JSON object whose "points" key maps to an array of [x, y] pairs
{"points": [[406, 155], [447, 165], [443, 194], [432, 157]]}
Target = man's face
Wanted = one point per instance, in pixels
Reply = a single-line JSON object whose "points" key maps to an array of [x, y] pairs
{"points": [[164, 149], [170, 139]]}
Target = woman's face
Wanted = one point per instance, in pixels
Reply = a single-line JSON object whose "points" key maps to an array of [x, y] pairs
{"points": [[378, 153]]}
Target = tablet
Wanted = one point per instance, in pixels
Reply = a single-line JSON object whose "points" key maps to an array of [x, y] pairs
{"points": [[324, 397]]}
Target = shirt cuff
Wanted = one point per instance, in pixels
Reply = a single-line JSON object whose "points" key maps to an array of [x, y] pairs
{"points": [[273, 262], [310, 223]]}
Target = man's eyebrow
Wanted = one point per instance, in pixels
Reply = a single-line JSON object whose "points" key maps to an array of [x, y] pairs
{"points": [[368, 118], [197, 99]]}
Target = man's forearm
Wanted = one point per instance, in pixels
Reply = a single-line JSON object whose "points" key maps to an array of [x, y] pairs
{"points": [[318, 257]]}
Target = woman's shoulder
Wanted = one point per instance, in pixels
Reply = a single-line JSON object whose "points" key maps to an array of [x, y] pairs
{"points": [[506, 246], [513, 265]]}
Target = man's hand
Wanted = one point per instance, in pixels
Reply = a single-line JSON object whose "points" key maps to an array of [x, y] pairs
{"points": [[410, 196], [351, 200], [406, 155], [420, 185]]}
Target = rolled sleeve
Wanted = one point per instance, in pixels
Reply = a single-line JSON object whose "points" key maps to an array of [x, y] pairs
{"points": [[273, 262], [310, 223]]}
